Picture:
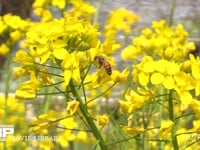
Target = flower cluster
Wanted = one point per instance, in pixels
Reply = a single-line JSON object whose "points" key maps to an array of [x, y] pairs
{"points": [[160, 41], [59, 54], [119, 19], [163, 76], [12, 30]]}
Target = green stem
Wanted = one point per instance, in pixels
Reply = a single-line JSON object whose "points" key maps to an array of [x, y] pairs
{"points": [[7, 89], [172, 118], [171, 15], [86, 115], [162, 97], [101, 94], [7, 85], [96, 15], [47, 101]]}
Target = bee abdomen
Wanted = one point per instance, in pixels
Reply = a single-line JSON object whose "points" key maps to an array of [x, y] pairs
{"points": [[108, 69]]}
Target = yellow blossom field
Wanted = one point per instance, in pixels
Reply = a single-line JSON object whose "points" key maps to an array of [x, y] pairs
{"points": [[71, 92]]}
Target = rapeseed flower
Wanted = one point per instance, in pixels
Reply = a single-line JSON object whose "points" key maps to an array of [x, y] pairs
{"points": [[61, 4], [66, 136], [44, 122], [4, 49], [134, 102], [133, 129], [28, 89], [103, 120], [71, 68], [119, 20], [160, 41], [72, 107], [166, 127]]}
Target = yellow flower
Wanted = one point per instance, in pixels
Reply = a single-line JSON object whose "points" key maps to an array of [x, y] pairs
{"points": [[119, 19], [72, 107], [196, 124], [44, 14], [82, 136], [121, 77], [71, 68], [169, 82], [39, 3], [28, 93], [185, 97], [134, 102], [160, 41], [4, 49], [143, 78], [133, 129], [59, 51], [167, 67], [149, 66], [46, 144], [28, 89], [124, 106], [15, 35], [18, 72], [157, 78], [196, 70], [38, 11], [159, 24], [15, 22], [44, 121], [184, 83], [46, 78], [195, 106], [59, 3], [67, 136], [166, 127], [23, 57], [194, 64], [103, 120], [130, 52], [98, 79]]}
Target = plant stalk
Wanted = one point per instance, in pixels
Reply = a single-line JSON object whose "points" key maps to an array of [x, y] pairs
{"points": [[86, 115], [171, 116]]}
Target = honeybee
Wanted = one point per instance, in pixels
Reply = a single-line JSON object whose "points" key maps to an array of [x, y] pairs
{"points": [[103, 62]]}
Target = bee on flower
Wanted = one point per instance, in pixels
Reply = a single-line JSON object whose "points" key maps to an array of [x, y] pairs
{"points": [[103, 62]]}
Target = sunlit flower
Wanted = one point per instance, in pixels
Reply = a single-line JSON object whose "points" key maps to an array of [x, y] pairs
{"points": [[4, 49], [72, 107], [133, 129], [39, 3], [130, 52], [71, 68], [18, 72], [15, 22], [15, 35], [134, 102], [44, 121], [160, 41], [23, 57], [46, 78], [195, 106], [28, 89], [119, 19], [166, 127], [82, 136], [103, 120], [66, 136], [122, 77], [196, 124], [60, 4]]}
